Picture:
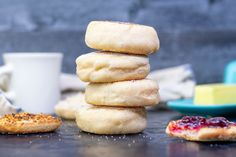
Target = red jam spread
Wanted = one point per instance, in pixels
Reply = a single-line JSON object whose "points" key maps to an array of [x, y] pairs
{"points": [[198, 122]]}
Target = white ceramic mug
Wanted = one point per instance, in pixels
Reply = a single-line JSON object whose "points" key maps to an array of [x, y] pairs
{"points": [[35, 80]]}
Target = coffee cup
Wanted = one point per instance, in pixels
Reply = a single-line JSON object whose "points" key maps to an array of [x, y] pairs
{"points": [[35, 80]]}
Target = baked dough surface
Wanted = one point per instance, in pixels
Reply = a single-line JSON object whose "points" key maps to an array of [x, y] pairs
{"points": [[22, 123], [122, 37], [111, 120], [134, 93], [111, 67]]}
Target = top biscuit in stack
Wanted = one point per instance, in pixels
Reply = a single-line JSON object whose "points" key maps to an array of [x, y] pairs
{"points": [[122, 37]]}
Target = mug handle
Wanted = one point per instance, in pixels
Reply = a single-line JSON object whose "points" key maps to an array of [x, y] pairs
{"points": [[5, 74], [6, 69]]}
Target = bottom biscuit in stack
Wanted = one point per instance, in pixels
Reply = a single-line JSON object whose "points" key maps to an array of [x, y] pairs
{"points": [[111, 120]]}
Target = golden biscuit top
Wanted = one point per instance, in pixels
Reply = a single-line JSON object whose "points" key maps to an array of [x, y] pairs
{"points": [[23, 117]]}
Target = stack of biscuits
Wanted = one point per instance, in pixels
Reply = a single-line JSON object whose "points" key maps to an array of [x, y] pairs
{"points": [[118, 90]]}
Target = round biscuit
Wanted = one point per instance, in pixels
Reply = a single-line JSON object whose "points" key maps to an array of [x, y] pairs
{"points": [[111, 67], [122, 37], [125, 93], [111, 120]]}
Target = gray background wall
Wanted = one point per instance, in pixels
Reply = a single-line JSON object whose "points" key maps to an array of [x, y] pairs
{"points": [[200, 32]]}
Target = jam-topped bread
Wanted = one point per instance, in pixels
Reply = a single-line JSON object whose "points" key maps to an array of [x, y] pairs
{"points": [[196, 128], [22, 123]]}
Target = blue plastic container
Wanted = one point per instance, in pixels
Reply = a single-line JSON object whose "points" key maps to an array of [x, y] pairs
{"points": [[230, 73]]}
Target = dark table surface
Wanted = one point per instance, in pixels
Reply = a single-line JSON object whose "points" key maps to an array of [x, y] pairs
{"points": [[69, 141]]}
